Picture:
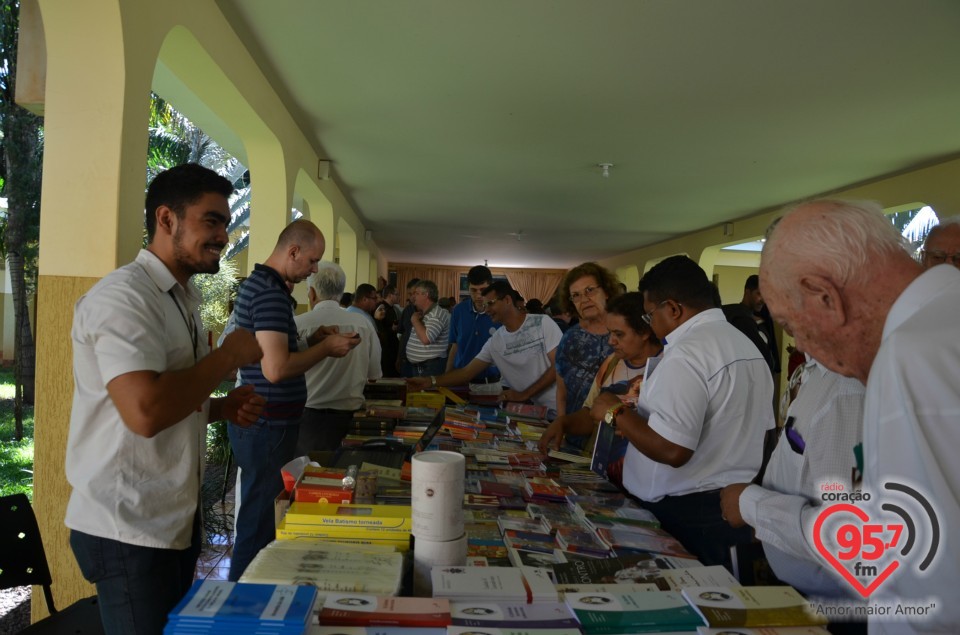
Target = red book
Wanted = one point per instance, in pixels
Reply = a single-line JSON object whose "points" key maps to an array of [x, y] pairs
{"points": [[357, 609]]}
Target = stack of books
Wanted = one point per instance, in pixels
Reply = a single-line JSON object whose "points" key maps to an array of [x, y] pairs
{"points": [[218, 606], [387, 525], [328, 566]]}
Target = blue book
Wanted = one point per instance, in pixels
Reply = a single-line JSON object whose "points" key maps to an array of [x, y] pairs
{"points": [[211, 605], [608, 453]]}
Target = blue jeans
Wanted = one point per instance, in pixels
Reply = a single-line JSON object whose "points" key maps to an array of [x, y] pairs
{"points": [[435, 366], [261, 451], [137, 587]]}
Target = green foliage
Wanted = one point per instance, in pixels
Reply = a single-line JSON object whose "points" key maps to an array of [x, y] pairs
{"points": [[16, 457], [217, 290]]}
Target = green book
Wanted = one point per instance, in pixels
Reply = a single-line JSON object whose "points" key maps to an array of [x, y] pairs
{"points": [[633, 612]]}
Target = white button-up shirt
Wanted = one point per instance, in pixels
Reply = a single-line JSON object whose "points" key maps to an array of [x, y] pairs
{"points": [[127, 487]]}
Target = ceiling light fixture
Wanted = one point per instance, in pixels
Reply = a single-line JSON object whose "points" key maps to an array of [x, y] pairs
{"points": [[605, 169]]}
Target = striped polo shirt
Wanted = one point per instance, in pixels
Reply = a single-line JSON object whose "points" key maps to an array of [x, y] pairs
{"points": [[264, 304], [436, 321]]}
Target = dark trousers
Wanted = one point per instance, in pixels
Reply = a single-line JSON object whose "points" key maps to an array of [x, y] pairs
{"points": [[136, 586], [695, 520], [435, 366], [322, 429]]}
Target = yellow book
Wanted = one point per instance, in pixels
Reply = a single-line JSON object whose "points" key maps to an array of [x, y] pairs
{"points": [[296, 532], [394, 517]]}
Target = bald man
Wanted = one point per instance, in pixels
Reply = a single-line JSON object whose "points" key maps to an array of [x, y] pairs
{"points": [[265, 308], [943, 244], [836, 275]]}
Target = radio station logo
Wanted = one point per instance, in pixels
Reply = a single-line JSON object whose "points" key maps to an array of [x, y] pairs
{"points": [[867, 540]]}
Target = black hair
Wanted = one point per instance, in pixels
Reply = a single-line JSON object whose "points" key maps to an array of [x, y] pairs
{"points": [[413, 282], [502, 289], [752, 283], [479, 275], [680, 279], [180, 186], [630, 306], [363, 290]]}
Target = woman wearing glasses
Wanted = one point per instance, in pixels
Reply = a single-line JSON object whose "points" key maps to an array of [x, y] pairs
{"points": [[585, 291], [633, 343]]}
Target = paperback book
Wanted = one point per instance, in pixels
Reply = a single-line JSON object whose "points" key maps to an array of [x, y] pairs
{"points": [[655, 611], [726, 606], [512, 615], [243, 608], [352, 609]]}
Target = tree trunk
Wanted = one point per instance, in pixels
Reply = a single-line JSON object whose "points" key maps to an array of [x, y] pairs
{"points": [[22, 148]]}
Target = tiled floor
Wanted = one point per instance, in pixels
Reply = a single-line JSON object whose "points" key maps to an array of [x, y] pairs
{"points": [[214, 563]]}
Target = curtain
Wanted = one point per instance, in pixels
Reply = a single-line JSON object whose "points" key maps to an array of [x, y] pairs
{"points": [[535, 284], [446, 279]]}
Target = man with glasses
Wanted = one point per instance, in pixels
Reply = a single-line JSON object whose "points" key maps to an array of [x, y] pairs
{"points": [[471, 327], [429, 335], [701, 414], [523, 349], [942, 244]]}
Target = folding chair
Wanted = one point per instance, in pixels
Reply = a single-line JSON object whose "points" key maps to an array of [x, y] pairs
{"points": [[23, 561]]}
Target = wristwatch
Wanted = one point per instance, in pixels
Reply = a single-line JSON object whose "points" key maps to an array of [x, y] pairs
{"points": [[433, 381], [611, 416]]}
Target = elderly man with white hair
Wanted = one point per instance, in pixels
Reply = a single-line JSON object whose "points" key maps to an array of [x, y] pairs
{"points": [[334, 385], [836, 274]]}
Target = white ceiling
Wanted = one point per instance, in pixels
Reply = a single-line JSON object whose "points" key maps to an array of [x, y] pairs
{"points": [[454, 125]]}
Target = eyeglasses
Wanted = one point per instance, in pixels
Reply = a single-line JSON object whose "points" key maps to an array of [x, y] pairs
{"points": [[940, 257], [588, 292], [490, 303], [648, 317]]}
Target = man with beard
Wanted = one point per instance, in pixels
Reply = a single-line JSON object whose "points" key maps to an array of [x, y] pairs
{"points": [[265, 307], [141, 405]]}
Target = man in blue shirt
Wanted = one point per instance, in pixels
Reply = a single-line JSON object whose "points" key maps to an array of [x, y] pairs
{"points": [[471, 327], [264, 307]]}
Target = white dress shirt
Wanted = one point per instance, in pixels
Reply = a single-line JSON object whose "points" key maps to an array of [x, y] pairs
{"points": [[337, 382], [127, 487], [712, 393]]}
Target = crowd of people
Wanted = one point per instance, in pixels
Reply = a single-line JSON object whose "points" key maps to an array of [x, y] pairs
{"points": [[688, 382]]}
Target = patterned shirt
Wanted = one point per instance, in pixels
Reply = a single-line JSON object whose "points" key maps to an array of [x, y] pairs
{"points": [[579, 356]]}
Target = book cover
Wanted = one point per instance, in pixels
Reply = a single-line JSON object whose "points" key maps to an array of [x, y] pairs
{"points": [[520, 557], [219, 601], [395, 517], [630, 541], [352, 609], [655, 611], [724, 606], [483, 584], [500, 615], [636, 568], [608, 453]]}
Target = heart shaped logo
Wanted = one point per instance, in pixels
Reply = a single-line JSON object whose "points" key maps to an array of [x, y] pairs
{"points": [[856, 542]]}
